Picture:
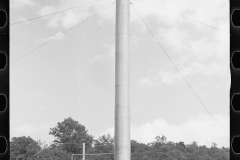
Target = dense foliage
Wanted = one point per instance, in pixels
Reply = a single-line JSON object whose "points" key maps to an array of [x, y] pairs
{"points": [[69, 136], [161, 149], [23, 148]]}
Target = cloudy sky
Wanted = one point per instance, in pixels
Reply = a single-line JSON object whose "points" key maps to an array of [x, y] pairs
{"points": [[73, 75]]}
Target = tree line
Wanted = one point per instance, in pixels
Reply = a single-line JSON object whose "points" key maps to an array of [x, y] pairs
{"points": [[69, 136]]}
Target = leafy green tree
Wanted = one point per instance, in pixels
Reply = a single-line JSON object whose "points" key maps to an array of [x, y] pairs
{"points": [[146, 157], [181, 144], [190, 148], [159, 141], [61, 154], [104, 144], [181, 147], [171, 144], [139, 150], [45, 153], [51, 153], [194, 144], [162, 156], [70, 135], [214, 144], [176, 154], [162, 139], [206, 157], [23, 148], [42, 144]]}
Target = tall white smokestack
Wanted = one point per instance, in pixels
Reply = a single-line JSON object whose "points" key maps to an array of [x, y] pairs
{"points": [[122, 148]]}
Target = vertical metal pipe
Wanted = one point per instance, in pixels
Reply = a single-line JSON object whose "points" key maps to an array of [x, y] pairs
{"points": [[122, 146], [83, 151]]}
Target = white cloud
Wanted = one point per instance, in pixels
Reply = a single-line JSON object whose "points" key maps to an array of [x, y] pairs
{"points": [[163, 77], [29, 129], [34, 131], [54, 22], [181, 42], [201, 11], [28, 95], [194, 9], [209, 69], [189, 43], [69, 19], [46, 10], [147, 82], [72, 17], [23, 19], [58, 37], [108, 131], [175, 40], [134, 39], [201, 129], [193, 47], [105, 58], [224, 84], [169, 75], [21, 3]]}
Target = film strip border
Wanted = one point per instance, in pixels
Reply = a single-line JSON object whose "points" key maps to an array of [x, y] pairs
{"points": [[235, 79], [234, 89], [4, 80]]}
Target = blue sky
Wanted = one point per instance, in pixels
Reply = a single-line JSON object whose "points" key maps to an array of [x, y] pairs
{"points": [[74, 74]]}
